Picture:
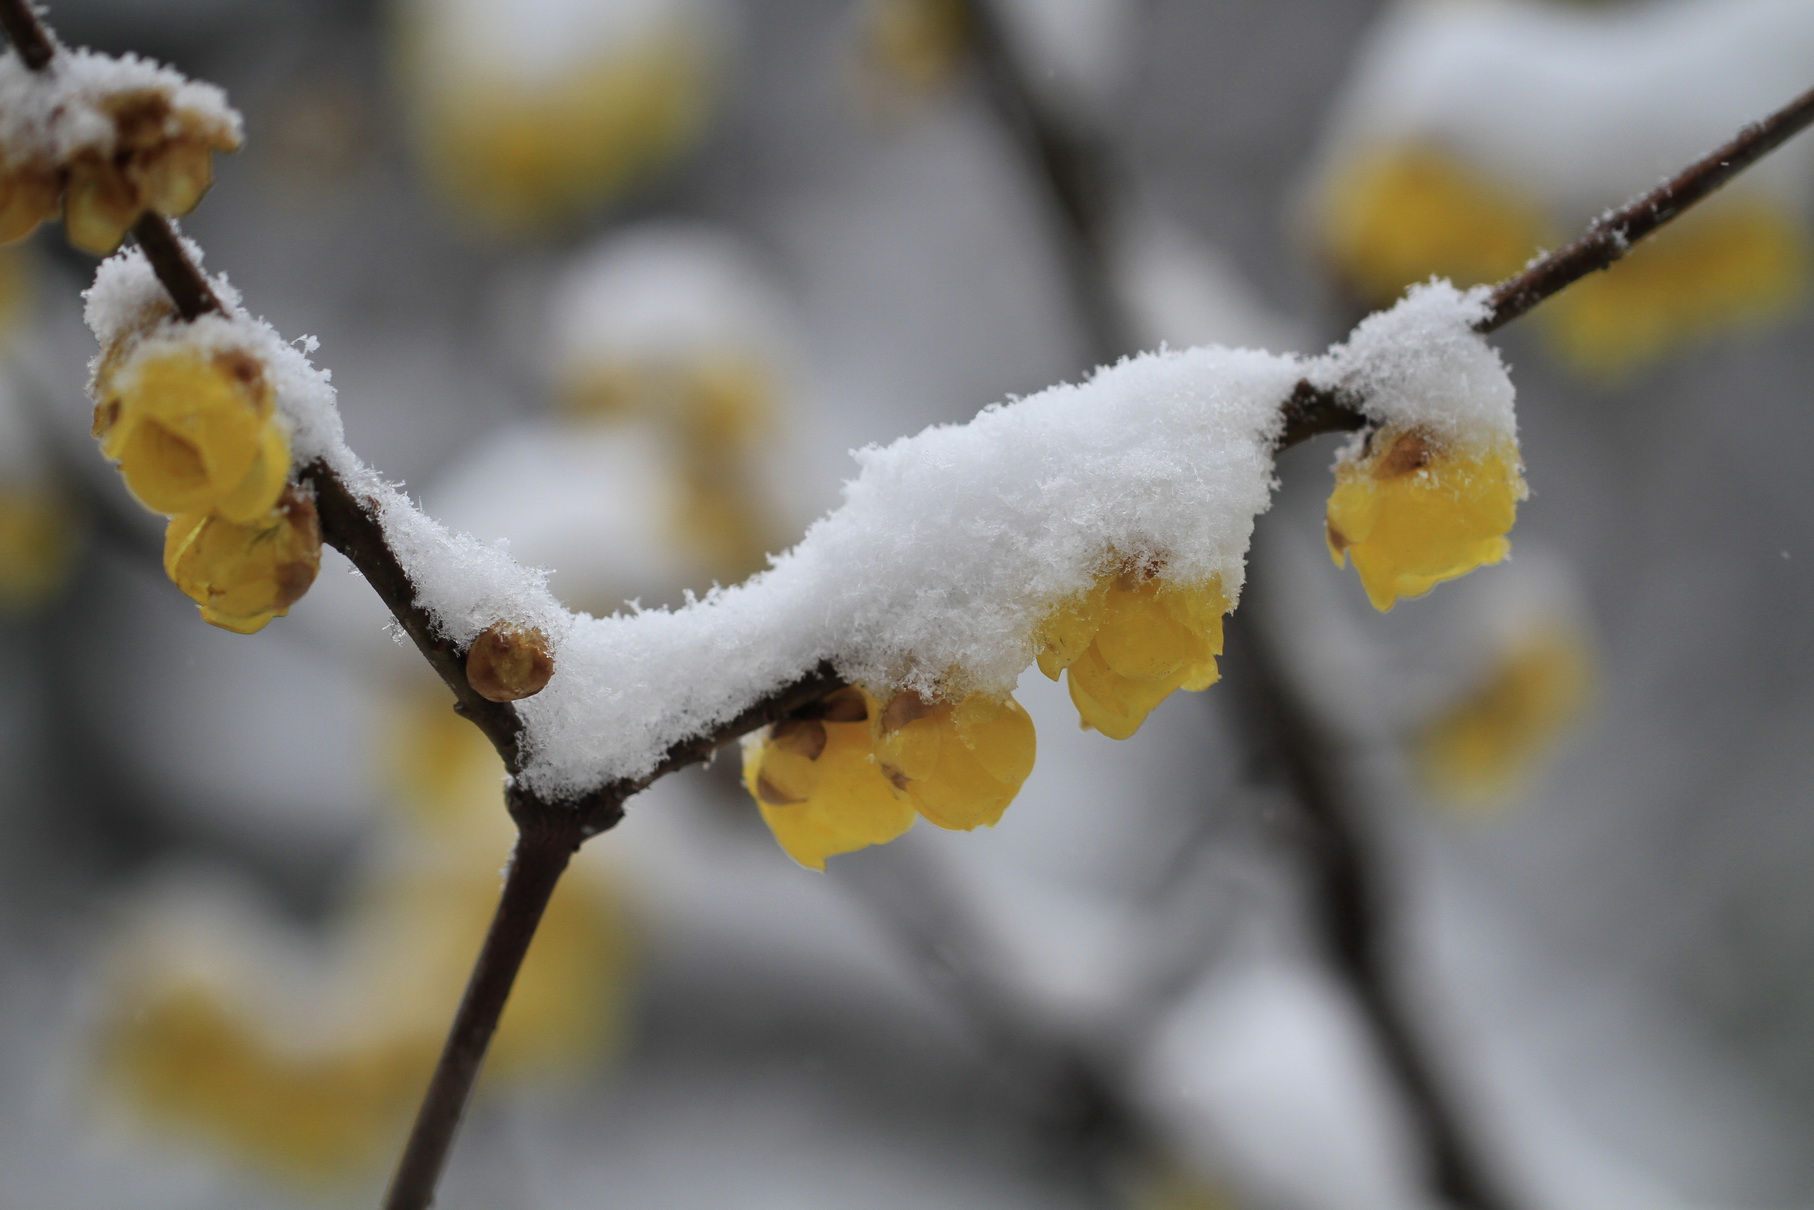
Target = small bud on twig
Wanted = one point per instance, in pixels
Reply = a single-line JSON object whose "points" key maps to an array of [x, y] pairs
{"points": [[507, 663]]}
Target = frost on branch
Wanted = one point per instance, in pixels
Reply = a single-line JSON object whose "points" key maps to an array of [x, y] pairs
{"points": [[1105, 521], [110, 137]]}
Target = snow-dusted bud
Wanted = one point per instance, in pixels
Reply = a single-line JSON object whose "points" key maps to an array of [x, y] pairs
{"points": [[193, 431], [1413, 509], [960, 763], [244, 574], [161, 158], [507, 663], [1130, 642], [815, 779]]}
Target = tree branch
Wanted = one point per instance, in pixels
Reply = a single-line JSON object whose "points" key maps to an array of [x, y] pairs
{"points": [[1612, 235], [1075, 171]]}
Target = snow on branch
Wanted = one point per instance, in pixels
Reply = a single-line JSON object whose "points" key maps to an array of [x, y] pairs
{"points": [[949, 549]]}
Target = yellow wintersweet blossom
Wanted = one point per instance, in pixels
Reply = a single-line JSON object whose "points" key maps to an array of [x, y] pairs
{"points": [[162, 159], [523, 152], [36, 541], [1129, 642], [28, 196], [1414, 510], [817, 782], [1727, 265], [849, 772], [319, 1089], [243, 575], [1477, 750], [1394, 216], [959, 763], [193, 432]]}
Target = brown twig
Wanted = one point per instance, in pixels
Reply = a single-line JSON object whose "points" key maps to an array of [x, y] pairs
{"points": [[545, 844], [27, 33], [1612, 235]]}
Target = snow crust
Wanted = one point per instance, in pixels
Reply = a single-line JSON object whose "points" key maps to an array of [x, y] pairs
{"points": [[950, 545], [51, 115], [1574, 104]]}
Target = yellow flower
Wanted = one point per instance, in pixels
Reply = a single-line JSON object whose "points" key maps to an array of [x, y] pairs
{"points": [[161, 159], [1129, 642], [1395, 216], [319, 1088], [847, 773], [28, 196], [193, 432], [1727, 265], [1413, 511], [1478, 748], [35, 543], [522, 153], [959, 763], [818, 784], [243, 575]]}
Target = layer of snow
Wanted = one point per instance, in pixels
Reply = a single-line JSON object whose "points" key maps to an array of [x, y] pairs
{"points": [[50, 115], [948, 550]]}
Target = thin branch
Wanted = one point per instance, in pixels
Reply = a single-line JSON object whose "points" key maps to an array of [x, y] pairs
{"points": [[550, 831], [1612, 235], [542, 853], [27, 33]]}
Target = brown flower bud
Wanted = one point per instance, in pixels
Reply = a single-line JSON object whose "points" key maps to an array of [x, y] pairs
{"points": [[507, 663]]}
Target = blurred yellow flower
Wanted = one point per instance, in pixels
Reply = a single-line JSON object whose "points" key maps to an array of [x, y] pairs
{"points": [[1480, 747], [1395, 216], [37, 539], [911, 48], [526, 138], [1412, 511], [162, 159], [1734, 262], [318, 1089], [1392, 216], [193, 432], [243, 575], [1129, 642]]}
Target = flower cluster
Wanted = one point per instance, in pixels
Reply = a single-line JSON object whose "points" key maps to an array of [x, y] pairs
{"points": [[1413, 509], [106, 140], [196, 435], [849, 771]]}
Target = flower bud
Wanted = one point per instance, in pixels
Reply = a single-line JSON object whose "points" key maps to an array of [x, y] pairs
{"points": [[507, 663], [194, 432], [960, 764], [815, 779], [28, 196], [1414, 510], [243, 575]]}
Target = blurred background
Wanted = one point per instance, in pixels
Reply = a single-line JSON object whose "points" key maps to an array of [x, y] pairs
{"points": [[622, 282]]}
